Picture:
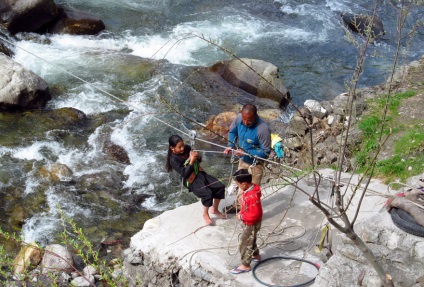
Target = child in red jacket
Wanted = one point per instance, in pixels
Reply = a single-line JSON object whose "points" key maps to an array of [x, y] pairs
{"points": [[251, 215]]}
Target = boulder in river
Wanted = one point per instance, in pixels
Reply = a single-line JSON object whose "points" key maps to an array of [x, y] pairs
{"points": [[26, 16], [360, 23], [75, 22], [256, 77], [20, 88]]}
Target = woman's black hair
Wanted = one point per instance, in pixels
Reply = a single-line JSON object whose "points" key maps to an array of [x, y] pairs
{"points": [[173, 141]]}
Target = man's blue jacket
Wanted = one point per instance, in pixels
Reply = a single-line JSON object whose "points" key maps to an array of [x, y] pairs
{"points": [[254, 139]]}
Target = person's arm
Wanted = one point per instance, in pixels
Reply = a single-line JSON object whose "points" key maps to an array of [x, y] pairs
{"points": [[264, 137]]}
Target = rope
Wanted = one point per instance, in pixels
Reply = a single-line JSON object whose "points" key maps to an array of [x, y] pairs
{"points": [[153, 116], [156, 118], [205, 141], [208, 151]]}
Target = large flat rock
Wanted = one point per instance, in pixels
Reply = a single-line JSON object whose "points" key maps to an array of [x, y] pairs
{"points": [[177, 242]]}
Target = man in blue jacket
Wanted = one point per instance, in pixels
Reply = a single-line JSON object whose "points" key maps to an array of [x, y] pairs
{"points": [[249, 138]]}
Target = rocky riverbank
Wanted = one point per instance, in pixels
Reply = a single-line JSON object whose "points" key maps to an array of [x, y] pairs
{"points": [[327, 120], [175, 249]]}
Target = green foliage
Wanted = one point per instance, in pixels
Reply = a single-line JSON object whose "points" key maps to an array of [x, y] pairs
{"points": [[72, 237], [83, 248], [369, 125], [407, 159], [412, 142], [394, 101]]}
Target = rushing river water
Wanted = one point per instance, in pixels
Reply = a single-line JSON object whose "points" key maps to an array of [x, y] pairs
{"points": [[305, 39]]}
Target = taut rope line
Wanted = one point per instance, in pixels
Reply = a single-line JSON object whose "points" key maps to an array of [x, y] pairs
{"points": [[158, 119]]}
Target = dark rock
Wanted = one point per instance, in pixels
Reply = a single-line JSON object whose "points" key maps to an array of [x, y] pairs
{"points": [[34, 37], [74, 22], [5, 50], [116, 152], [26, 16], [18, 216], [360, 23], [256, 77]]}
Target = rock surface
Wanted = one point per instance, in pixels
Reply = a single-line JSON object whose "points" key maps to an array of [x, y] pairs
{"points": [[263, 82], [177, 247], [57, 259], [361, 23], [26, 16], [75, 22], [20, 87], [28, 257], [402, 254]]}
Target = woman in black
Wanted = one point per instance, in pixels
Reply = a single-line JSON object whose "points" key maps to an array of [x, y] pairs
{"points": [[186, 162]]}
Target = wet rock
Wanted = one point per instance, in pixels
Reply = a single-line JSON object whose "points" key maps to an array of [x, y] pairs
{"points": [[116, 152], [75, 22], [18, 216], [138, 199], [5, 50], [107, 183], [360, 23], [258, 78], [26, 16], [24, 128], [56, 172], [5, 47], [20, 88], [269, 115], [66, 116], [34, 37]]}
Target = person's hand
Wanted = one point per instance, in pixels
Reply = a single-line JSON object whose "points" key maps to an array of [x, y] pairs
{"points": [[239, 216], [194, 155], [239, 152], [228, 150]]}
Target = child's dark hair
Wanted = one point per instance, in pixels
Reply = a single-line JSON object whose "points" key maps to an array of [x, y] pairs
{"points": [[242, 175], [173, 141]]}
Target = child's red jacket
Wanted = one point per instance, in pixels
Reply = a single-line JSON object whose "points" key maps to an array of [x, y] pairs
{"points": [[251, 206]]}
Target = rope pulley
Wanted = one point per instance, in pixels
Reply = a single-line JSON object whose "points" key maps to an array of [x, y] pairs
{"points": [[252, 166], [192, 135], [232, 156]]}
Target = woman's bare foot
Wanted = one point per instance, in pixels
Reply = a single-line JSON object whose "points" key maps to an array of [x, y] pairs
{"points": [[219, 214], [207, 219]]}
